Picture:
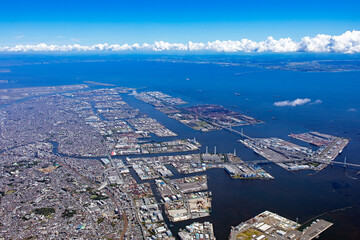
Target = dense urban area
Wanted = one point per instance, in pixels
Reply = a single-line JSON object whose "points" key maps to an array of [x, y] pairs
{"points": [[82, 163]]}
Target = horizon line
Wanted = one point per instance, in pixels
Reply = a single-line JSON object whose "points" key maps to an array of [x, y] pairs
{"points": [[348, 42]]}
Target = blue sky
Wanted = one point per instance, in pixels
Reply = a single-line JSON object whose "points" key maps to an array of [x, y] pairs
{"points": [[119, 22]]}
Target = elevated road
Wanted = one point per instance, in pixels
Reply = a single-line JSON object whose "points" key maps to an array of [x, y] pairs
{"points": [[236, 132], [344, 164]]}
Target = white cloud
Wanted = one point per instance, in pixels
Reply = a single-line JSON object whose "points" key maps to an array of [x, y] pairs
{"points": [[296, 102], [318, 101], [348, 42]]}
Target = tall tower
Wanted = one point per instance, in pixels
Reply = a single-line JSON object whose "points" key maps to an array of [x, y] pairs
{"points": [[215, 150], [234, 152], [206, 151]]}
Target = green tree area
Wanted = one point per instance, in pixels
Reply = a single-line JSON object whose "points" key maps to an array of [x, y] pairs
{"points": [[96, 195], [44, 211], [68, 213], [100, 220]]}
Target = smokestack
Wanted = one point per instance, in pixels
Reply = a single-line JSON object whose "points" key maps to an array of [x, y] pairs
{"points": [[206, 150], [215, 150], [234, 152]]}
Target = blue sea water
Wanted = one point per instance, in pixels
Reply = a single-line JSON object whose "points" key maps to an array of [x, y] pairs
{"points": [[292, 195]]}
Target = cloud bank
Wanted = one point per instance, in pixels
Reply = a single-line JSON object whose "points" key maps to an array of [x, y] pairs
{"points": [[296, 102], [348, 42]]}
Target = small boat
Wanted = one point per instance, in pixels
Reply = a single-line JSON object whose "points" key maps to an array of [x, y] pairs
{"points": [[237, 94]]}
